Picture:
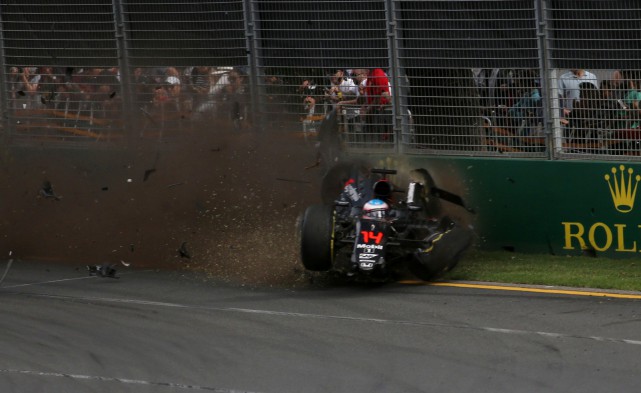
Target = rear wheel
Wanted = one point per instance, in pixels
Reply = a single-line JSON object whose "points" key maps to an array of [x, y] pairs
{"points": [[317, 238]]}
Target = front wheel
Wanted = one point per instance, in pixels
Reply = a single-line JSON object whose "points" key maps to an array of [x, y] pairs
{"points": [[317, 238], [445, 251]]}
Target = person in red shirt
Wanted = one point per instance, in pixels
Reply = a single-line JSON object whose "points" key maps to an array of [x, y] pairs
{"points": [[378, 89], [379, 110]]}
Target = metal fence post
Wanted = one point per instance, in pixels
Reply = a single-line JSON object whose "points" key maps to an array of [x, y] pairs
{"points": [[545, 76], [397, 114], [4, 98], [252, 60], [123, 65]]}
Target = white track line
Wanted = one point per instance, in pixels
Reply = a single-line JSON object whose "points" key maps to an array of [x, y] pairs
{"points": [[65, 279], [121, 380], [338, 317], [47, 282]]}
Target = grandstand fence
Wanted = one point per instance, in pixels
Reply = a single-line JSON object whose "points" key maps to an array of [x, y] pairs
{"points": [[467, 78]]}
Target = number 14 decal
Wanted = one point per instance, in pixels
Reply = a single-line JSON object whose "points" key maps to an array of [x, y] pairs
{"points": [[369, 235]]}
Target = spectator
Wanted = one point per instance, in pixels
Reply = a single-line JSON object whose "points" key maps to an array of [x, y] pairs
{"points": [[487, 81], [174, 90], [632, 93], [161, 97], [586, 115], [617, 85], [172, 71], [30, 80], [525, 114], [630, 103], [378, 104], [87, 81], [333, 93], [360, 78], [569, 91], [158, 75], [348, 106], [15, 82], [228, 82], [309, 95], [141, 87], [47, 88], [199, 85], [609, 103], [304, 87], [229, 96], [309, 103]]}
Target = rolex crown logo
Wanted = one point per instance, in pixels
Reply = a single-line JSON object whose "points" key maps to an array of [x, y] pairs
{"points": [[621, 188]]}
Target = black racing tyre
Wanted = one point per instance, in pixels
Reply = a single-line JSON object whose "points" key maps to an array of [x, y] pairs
{"points": [[444, 255], [317, 238]]}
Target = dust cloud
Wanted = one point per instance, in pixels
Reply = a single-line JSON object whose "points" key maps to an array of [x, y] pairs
{"points": [[218, 201]]}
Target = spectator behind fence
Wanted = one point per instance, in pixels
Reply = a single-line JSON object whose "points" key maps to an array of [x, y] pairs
{"points": [[309, 94], [360, 78], [30, 80], [347, 105], [142, 87], [334, 93], [174, 91], [274, 90], [378, 103], [199, 85], [160, 98], [204, 107], [488, 81], [569, 91], [586, 114], [47, 89], [525, 114], [631, 109], [227, 82], [14, 79], [229, 95], [609, 103], [617, 85], [497, 91]]}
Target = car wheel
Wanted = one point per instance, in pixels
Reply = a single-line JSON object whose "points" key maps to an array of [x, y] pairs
{"points": [[317, 238]]}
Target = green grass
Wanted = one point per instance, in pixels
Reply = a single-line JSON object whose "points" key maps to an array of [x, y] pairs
{"points": [[581, 272]]}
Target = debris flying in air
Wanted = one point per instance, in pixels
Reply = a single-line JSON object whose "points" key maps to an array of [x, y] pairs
{"points": [[47, 191], [182, 251]]}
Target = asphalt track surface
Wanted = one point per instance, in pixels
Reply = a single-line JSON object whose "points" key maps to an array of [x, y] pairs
{"points": [[169, 331]]}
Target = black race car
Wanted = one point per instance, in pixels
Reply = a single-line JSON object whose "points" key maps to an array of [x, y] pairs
{"points": [[375, 231]]}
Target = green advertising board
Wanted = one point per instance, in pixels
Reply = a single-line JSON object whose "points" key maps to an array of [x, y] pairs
{"points": [[538, 206]]}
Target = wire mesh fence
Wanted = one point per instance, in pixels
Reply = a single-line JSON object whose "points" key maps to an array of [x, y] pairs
{"points": [[516, 78]]}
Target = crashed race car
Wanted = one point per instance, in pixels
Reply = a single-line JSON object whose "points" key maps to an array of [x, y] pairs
{"points": [[369, 233]]}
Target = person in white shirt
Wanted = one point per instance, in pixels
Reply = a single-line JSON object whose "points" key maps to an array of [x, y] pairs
{"points": [[353, 90]]}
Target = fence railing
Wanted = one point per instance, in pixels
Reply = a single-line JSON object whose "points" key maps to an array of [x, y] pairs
{"points": [[481, 78]]}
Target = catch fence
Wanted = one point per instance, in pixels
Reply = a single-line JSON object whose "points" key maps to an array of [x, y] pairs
{"points": [[475, 78]]}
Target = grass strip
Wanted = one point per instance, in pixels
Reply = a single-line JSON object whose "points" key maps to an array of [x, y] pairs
{"points": [[537, 269]]}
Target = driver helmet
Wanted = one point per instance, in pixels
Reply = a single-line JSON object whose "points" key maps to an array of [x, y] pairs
{"points": [[376, 208]]}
